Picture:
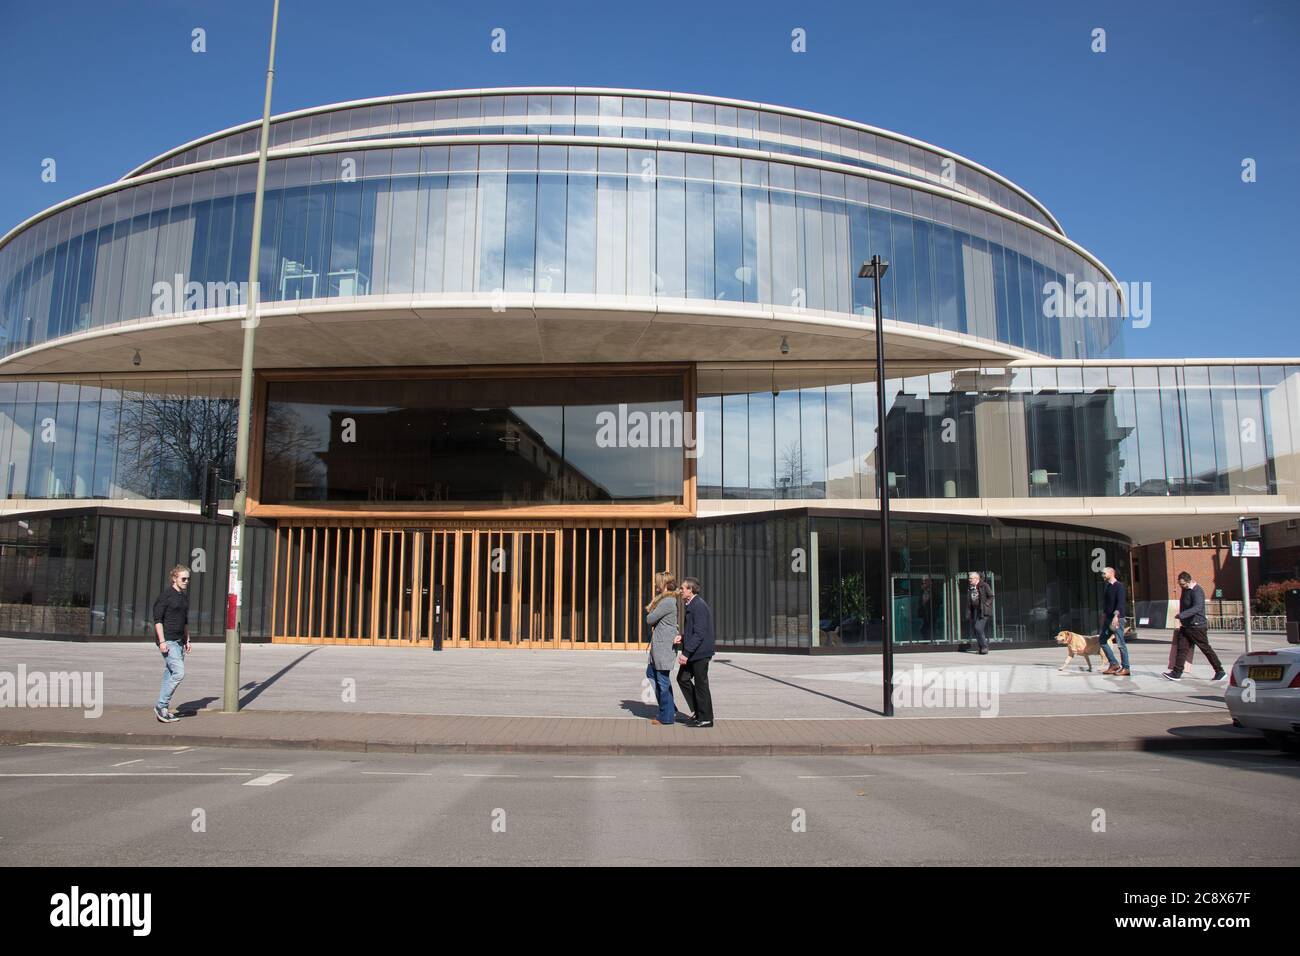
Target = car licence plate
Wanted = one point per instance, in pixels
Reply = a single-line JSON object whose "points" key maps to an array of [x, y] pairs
{"points": [[1268, 672]]}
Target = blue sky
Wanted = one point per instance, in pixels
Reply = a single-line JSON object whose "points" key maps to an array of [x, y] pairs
{"points": [[1137, 150]]}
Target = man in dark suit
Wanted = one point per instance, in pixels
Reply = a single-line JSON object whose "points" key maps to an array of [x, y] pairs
{"points": [[695, 651]]}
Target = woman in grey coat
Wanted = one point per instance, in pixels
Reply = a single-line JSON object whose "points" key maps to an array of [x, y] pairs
{"points": [[663, 615]]}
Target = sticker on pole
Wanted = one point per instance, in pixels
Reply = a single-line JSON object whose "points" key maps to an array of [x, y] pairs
{"points": [[233, 602]]}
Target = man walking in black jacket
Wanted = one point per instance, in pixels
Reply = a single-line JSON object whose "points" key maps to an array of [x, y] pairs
{"points": [[1114, 601], [1192, 625], [696, 651], [171, 615]]}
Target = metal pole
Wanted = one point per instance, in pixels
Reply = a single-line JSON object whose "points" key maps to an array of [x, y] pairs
{"points": [[882, 474], [234, 588], [1245, 580]]}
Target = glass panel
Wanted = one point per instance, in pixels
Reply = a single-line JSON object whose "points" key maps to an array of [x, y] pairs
{"points": [[580, 245], [812, 414], [735, 437], [507, 440], [841, 477], [762, 460], [670, 225]]}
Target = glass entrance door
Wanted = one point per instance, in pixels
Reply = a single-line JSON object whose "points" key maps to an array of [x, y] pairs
{"points": [[409, 576], [514, 592], [959, 588], [920, 616]]}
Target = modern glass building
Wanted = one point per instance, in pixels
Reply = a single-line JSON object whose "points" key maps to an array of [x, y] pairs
{"points": [[518, 349]]}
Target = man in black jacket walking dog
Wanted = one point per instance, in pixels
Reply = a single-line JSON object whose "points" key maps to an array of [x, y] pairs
{"points": [[696, 650]]}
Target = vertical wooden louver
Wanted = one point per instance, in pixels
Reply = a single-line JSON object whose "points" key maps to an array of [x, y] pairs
{"points": [[563, 584]]}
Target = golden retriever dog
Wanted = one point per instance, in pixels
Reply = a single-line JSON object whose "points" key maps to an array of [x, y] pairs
{"points": [[1080, 645]]}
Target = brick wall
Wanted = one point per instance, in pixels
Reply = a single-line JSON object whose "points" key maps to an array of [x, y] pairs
{"points": [[1212, 568]]}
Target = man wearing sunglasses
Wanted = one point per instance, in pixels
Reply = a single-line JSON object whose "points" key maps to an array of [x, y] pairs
{"points": [[171, 616]]}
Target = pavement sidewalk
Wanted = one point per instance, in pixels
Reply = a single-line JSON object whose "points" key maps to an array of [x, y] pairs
{"points": [[432, 733], [598, 702]]}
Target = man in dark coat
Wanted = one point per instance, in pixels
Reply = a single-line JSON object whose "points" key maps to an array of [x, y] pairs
{"points": [[696, 650], [977, 609]]}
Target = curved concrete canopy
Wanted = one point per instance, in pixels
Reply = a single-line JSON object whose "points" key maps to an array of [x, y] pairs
{"points": [[521, 329]]}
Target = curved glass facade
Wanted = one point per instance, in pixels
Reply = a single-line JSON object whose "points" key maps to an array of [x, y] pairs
{"points": [[796, 433], [1040, 575], [117, 439], [614, 115], [1068, 431], [550, 220]]}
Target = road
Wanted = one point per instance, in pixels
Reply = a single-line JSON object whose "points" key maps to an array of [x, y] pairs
{"points": [[124, 805]]}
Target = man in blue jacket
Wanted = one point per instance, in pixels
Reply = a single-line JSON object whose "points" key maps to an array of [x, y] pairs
{"points": [[1112, 622], [696, 650], [1192, 625]]}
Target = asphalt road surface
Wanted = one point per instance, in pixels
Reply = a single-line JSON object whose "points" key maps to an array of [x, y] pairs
{"points": [[121, 805]]}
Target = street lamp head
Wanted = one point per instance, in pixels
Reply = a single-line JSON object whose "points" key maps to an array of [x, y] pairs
{"points": [[868, 270]]}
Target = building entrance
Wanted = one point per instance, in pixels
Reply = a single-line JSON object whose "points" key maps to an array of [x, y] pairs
{"points": [[517, 585]]}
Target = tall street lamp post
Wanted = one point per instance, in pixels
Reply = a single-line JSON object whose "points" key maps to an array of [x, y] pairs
{"points": [[875, 271], [234, 586]]}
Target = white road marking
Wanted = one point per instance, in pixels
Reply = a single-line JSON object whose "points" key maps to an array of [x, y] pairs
{"points": [[89, 746], [988, 773], [126, 773], [702, 776], [834, 776], [396, 773], [266, 779], [257, 769], [1128, 770], [99, 747], [127, 762], [579, 776]]}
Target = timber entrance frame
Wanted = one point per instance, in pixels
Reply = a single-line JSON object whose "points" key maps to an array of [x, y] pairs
{"points": [[563, 584]]}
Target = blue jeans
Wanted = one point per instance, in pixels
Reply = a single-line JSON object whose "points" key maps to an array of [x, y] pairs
{"points": [[173, 674], [663, 692], [1119, 638]]}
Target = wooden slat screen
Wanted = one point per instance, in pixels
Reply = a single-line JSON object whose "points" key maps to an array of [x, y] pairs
{"points": [[580, 584]]}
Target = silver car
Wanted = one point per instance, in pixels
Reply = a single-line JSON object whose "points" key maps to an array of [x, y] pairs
{"points": [[1263, 693]]}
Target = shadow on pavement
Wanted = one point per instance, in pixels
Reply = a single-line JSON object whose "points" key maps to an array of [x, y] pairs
{"points": [[261, 688], [806, 690], [191, 707], [639, 708]]}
